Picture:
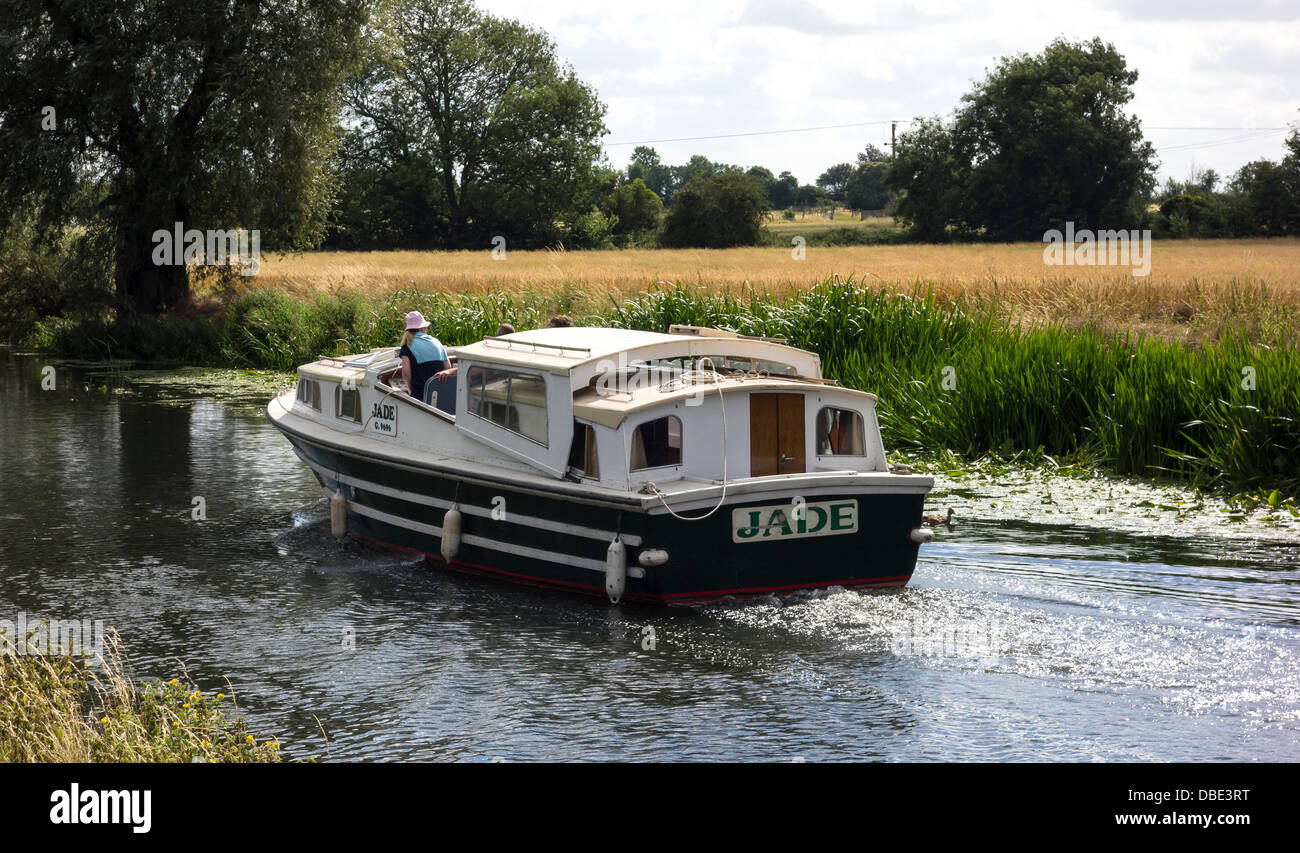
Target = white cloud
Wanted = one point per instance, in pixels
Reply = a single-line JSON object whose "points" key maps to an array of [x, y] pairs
{"points": [[681, 69]]}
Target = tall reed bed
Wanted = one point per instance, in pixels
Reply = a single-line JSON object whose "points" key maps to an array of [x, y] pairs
{"points": [[971, 378], [268, 328], [1226, 414]]}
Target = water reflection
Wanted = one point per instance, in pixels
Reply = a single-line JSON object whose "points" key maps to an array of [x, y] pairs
{"points": [[1016, 640]]}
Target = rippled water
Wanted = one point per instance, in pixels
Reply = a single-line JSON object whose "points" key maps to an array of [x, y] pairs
{"points": [[1106, 629]]}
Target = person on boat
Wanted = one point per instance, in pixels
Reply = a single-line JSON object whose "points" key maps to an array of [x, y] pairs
{"points": [[560, 321], [447, 373], [422, 355]]}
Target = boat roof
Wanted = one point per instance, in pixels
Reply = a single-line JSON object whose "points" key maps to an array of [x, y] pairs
{"points": [[584, 352], [611, 409]]}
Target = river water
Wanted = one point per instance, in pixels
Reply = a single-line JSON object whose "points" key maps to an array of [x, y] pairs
{"points": [[1061, 619]]}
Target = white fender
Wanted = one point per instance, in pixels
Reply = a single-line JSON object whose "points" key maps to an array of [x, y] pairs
{"points": [[338, 514], [652, 557], [615, 570], [921, 535], [451, 533]]}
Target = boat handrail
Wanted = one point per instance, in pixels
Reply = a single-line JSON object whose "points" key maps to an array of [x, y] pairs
{"points": [[534, 344], [707, 332]]}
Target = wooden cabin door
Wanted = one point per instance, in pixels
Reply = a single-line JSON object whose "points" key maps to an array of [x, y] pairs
{"points": [[776, 436]]}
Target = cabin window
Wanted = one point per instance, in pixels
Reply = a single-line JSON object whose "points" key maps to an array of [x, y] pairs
{"points": [[347, 403], [582, 453], [309, 393], [840, 432], [722, 363], [657, 443], [516, 401], [774, 368], [729, 363]]}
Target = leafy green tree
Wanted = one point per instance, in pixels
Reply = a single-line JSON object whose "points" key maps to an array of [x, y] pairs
{"points": [[764, 178], [866, 188], [592, 230], [1040, 141], [782, 194], [929, 173], [697, 167], [1050, 142], [1270, 202], [716, 212], [834, 179], [635, 207], [647, 166], [871, 154], [1199, 215], [1199, 182], [215, 115], [1264, 197], [512, 135], [809, 196], [384, 203]]}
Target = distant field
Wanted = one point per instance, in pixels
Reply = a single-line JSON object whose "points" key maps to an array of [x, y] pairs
{"points": [[813, 223], [1196, 288]]}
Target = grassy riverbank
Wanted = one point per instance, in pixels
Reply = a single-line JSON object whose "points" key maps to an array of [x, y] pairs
{"points": [[64, 709], [1224, 414], [974, 378]]}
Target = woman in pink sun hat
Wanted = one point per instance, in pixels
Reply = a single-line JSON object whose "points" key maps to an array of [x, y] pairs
{"points": [[422, 354]]}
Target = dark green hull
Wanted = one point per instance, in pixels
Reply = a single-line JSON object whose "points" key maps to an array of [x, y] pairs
{"points": [[560, 538]]}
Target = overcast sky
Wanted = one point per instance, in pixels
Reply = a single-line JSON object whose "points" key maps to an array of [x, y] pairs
{"points": [[687, 68]]}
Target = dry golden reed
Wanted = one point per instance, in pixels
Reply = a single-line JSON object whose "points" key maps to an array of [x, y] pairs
{"points": [[61, 709], [1196, 288]]}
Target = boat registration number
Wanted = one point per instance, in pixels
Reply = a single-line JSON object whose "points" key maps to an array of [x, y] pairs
{"points": [[794, 520], [383, 419]]}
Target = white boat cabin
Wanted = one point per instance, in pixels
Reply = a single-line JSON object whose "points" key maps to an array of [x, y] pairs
{"points": [[610, 407]]}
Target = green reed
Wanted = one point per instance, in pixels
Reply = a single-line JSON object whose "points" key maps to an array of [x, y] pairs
{"points": [[970, 381], [1225, 415]]}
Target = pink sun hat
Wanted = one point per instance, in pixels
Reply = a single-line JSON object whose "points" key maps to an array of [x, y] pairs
{"points": [[415, 321]]}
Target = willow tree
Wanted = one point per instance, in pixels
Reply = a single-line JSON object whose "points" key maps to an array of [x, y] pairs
{"points": [[510, 135], [217, 115]]}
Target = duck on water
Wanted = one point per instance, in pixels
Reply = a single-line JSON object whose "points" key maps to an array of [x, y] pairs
{"points": [[670, 468]]}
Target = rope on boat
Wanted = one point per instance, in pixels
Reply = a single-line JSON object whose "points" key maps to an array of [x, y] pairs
{"points": [[657, 492]]}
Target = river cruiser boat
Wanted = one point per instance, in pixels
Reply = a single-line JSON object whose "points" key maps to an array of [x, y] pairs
{"points": [[674, 468]]}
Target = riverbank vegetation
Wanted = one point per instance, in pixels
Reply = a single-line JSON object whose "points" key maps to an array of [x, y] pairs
{"points": [[973, 375], [981, 347], [350, 150], [1196, 289], [64, 708]]}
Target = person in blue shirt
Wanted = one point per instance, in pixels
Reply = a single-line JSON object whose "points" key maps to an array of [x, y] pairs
{"points": [[422, 355]]}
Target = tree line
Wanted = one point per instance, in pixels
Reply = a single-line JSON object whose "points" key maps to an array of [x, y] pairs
{"points": [[423, 124], [1045, 139]]}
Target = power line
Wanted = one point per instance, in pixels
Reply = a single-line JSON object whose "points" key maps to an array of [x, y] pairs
{"points": [[1231, 140], [1157, 127], [751, 133], [890, 121]]}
